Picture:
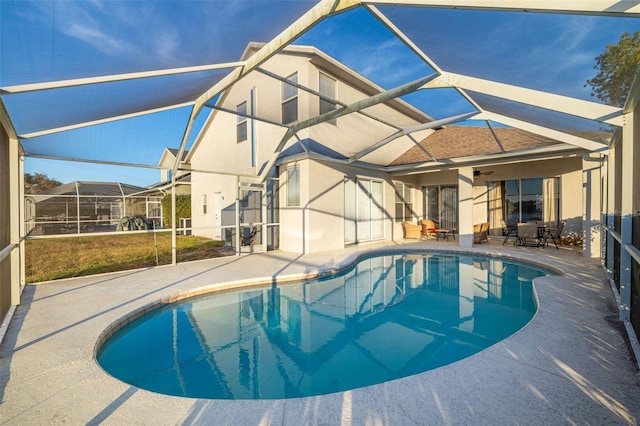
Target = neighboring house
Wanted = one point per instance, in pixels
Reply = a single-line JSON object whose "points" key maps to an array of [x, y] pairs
{"points": [[328, 189], [84, 207], [183, 178]]}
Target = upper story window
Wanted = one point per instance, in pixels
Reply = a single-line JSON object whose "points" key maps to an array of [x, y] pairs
{"points": [[290, 100], [328, 89], [241, 126]]}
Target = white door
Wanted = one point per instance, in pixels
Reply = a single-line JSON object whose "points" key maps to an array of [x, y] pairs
{"points": [[217, 221]]}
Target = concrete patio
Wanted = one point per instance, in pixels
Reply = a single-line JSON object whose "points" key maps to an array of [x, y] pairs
{"points": [[571, 364]]}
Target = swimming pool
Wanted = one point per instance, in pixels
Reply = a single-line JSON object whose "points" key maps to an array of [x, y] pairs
{"points": [[387, 317]]}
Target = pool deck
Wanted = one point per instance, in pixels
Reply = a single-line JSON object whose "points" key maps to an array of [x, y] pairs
{"points": [[570, 365]]}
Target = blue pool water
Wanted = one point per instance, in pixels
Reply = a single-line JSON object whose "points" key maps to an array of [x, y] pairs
{"points": [[389, 316]]}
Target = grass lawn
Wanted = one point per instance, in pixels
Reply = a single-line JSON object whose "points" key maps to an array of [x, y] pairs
{"points": [[50, 259]]}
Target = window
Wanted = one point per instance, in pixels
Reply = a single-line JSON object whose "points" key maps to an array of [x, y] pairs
{"points": [[327, 88], [441, 205], [522, 200], [293, 185], [241, 126], [404, 204], [363, 210], [204, 203], [290, 100]]}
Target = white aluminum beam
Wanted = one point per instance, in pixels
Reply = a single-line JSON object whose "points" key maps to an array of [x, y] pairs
{"points": [[324, 97], [248, 116], [101, 121], [245, 177], [564, 104], [354, 107], [578, 7], [422, 148], [546, 132], [495, 135], [409, 130], [510, 157], [406, 40], [316, 14], [61, 84], [85, 160]]}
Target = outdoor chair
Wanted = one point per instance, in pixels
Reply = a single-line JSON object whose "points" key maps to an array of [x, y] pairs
{"points": [[248, 239], [410, 230], [429, 227], [508, 232], [555, 234], [528, 235], [480, 232]]}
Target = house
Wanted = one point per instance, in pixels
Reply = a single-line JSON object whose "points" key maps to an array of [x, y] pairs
{"points": [[183, 178], [327, 188], [84, 207]]}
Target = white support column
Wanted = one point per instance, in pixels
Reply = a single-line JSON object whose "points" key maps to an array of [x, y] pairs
{"points": [[15, 183], [611, 203], [626, 214], [263, 215], [22, 232], [465, 206], [174, 238], [237, 212], [591, 200]]}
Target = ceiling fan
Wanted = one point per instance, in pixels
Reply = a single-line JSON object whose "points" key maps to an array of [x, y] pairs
{"points": [[477, 173]]}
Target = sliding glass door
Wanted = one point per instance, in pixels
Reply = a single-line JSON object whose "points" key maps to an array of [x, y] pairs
{"points": [[441, 205], [523, 200], [363, 210]]}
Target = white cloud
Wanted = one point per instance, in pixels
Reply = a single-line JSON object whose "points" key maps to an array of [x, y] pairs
{"points": [[113, 28]]}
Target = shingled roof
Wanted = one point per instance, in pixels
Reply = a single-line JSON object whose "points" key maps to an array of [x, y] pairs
{"points": [[464, 141]]}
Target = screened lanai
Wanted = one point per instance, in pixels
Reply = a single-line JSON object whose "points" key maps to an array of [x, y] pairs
{"points": [[96, 84]]}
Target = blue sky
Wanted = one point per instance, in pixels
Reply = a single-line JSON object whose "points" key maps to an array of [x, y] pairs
{"points": [[53, 40]]}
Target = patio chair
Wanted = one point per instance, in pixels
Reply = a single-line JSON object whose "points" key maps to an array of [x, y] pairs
{"points": [[248, 239], [555, 234], [528, 235], [508, 232], [410, 230], [480, 232], [428, 227]]}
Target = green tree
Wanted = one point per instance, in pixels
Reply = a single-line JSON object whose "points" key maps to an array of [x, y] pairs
{"points": [[616, 66], [38, 182]]}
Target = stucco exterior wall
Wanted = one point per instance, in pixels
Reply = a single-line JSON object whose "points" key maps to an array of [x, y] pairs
{"points": [[318, 223], [220, 151]]}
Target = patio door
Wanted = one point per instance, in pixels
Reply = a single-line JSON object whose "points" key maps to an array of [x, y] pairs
{"points": [[363, 210], [441, 205], [522, 200]]}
